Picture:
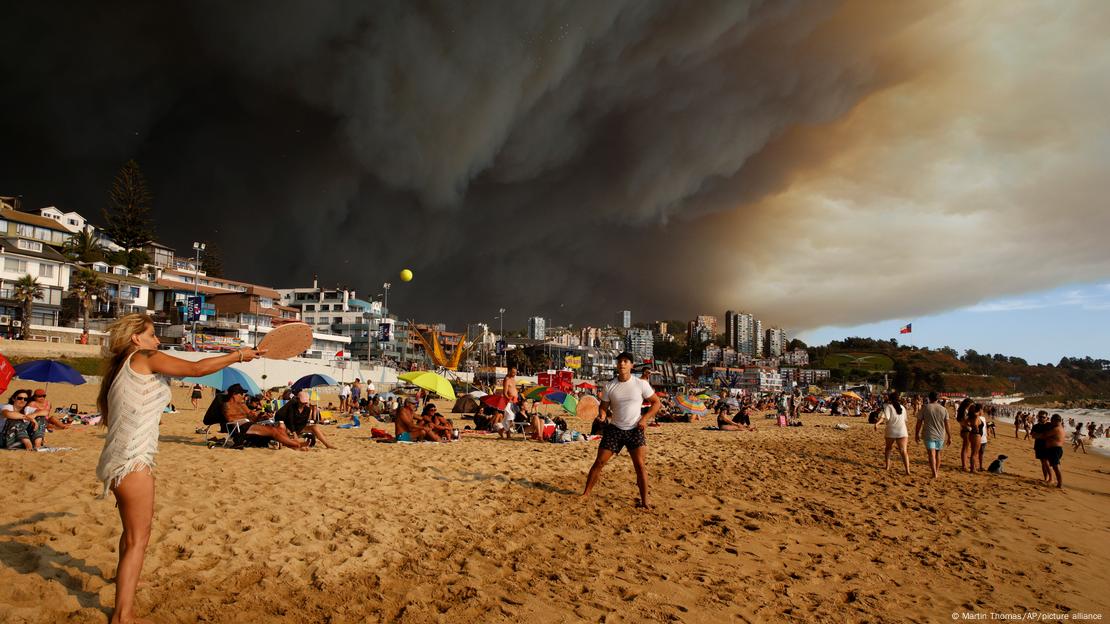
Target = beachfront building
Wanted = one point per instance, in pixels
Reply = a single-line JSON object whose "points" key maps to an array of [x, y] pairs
{"points": [[624, 319], [339, 312], [123, 293], [589, 337], [165, 256], [15, 225], [20, 257], [536, 325], [703, 328], [69, 220], [775, 342], [711, 354], [640, 343], [758, 379], [742, 333], [796, 357]]}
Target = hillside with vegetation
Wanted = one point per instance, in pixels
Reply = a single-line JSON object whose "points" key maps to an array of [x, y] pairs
{"points": [[919, 369]]}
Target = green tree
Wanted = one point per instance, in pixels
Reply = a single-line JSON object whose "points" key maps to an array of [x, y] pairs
{"points": [[82, 286], [83, 246], [133, 259], [128, 213], [211, 261], [25, 291]]}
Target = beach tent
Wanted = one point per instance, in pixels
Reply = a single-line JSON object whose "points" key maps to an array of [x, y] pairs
{"points": [[465, 404]]}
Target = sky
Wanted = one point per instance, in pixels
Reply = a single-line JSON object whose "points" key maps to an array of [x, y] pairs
{"points": [[1039, 327], [817, 163]]}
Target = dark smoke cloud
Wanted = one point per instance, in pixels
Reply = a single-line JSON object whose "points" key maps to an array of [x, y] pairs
{"points": [[569, 159]]}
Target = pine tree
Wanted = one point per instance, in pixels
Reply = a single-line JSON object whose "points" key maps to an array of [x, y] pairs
{"points": [[128, 213], [211, 261]]}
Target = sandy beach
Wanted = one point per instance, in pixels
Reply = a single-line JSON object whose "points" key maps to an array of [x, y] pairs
{"points": [[798, 524]]}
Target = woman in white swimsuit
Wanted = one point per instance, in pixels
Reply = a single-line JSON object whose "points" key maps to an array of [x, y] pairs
{"points": [[132, 395], [894, 417]]}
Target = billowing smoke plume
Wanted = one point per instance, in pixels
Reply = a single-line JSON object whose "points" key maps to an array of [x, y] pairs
{"points": [[813, 162]]}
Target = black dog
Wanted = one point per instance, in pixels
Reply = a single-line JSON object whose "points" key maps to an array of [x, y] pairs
{"points": [[996, 465]]}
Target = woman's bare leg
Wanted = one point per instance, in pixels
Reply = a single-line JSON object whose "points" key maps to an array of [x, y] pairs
{"points": [[135, 497]]}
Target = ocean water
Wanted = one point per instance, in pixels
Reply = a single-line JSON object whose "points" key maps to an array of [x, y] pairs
{"points": [[1098, 416]]}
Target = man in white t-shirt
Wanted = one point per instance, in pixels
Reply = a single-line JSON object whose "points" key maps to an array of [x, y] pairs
{"points": [[344, 397], [621, 401]]}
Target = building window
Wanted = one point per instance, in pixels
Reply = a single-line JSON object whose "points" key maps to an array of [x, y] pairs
{"points": [[46, 270], [73, 222], [311, 320], [14, 265], [135, 292], [29, 245]]}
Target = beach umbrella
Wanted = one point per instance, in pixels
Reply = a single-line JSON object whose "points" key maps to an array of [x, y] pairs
{"points": [[851, 395], [585, 385], [313, 380], [431, 382], [536, 393], [496, 401], [477, 394], [690, 404], [588, 407], [704, 397], [7, 371], [566, 401], [48, 371], [224, 379]]}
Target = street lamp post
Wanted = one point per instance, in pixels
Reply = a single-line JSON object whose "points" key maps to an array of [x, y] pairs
{"points": [[197, 248], [385, 299], [501, 336]]}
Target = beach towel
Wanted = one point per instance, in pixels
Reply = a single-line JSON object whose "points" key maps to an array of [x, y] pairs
{"points": [[55, 449]]}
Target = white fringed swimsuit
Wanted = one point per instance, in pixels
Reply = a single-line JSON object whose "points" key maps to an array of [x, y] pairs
{"points": [[135, 404]]}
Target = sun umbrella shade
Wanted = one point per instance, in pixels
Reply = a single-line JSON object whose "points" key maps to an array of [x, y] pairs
{"points": [[851, 395], [690, 404], [7, 371], [477, 394], [313, 380], [703, 396], [586, 385], [431, 382], [496, 401], [566, 401], [48, 371], [536, 393], [224, 379]]}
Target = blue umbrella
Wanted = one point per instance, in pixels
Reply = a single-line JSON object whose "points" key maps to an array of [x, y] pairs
{"points": [[225, 378], [48, 371], [313, 380]]}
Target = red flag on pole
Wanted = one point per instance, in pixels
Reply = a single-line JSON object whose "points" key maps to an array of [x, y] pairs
{"points": [[908, 328], [339, 353]]}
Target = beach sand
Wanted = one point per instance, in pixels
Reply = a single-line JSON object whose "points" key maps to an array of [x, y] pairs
{"points": [[796, 524]]}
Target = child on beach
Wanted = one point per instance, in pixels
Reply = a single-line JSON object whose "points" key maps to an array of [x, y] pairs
{"points": [[1077, 439]]}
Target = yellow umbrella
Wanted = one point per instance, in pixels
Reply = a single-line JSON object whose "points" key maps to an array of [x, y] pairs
{"points": [[431, 382], [851, 395]]}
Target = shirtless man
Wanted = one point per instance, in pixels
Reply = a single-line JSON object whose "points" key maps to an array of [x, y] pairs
{"points": [[1053, 435], [405, 427], [236, 412], [509, 389]]}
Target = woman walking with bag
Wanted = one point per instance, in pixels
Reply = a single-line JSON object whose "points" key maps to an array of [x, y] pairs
{"points": [[894, 416]]}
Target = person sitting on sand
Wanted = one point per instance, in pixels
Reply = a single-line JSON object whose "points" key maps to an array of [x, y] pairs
{"points": [[298, 417], [236, 412], [39, 402], [405, 427], [17, 420], [431, 419], [724, 424]]}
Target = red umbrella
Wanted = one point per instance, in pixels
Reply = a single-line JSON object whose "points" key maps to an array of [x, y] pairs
{"points": [[586, 385], [496, 401], [7, 371]]}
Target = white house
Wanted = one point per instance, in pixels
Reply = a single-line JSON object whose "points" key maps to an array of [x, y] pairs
{"points": [[20, 257], [69, 220]]}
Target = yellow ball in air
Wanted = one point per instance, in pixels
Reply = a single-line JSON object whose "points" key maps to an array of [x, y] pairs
{"points": [[406, 275]]}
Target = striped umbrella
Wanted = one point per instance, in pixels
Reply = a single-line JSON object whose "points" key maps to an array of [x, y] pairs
{"points": [[536, 392], [566, 401], [690, 404]]}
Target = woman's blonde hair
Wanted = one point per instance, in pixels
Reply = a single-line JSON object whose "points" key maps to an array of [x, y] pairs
{"points": [[119, 347]]}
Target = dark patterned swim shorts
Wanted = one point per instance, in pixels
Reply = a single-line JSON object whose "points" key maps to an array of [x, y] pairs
{"points": [[614, 439]]}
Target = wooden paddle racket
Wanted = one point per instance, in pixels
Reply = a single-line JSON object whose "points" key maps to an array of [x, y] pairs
{"points": [[286, 341]]}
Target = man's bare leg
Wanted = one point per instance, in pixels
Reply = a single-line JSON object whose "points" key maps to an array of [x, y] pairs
{"points": [[639, 462], [603, 457], [319, 436]]}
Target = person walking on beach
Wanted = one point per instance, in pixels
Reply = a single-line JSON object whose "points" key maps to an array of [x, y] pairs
{"points": [[961, 414], [1053, 435], [1038, 442], [1077, 439], [622, 399], [133, 393], [196, 395], [932, 426], [894, 416], [511, 392]]}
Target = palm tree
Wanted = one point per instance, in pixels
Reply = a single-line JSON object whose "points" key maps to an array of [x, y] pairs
{"points": [[84, 246], [84, 284], [26, 290]]}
